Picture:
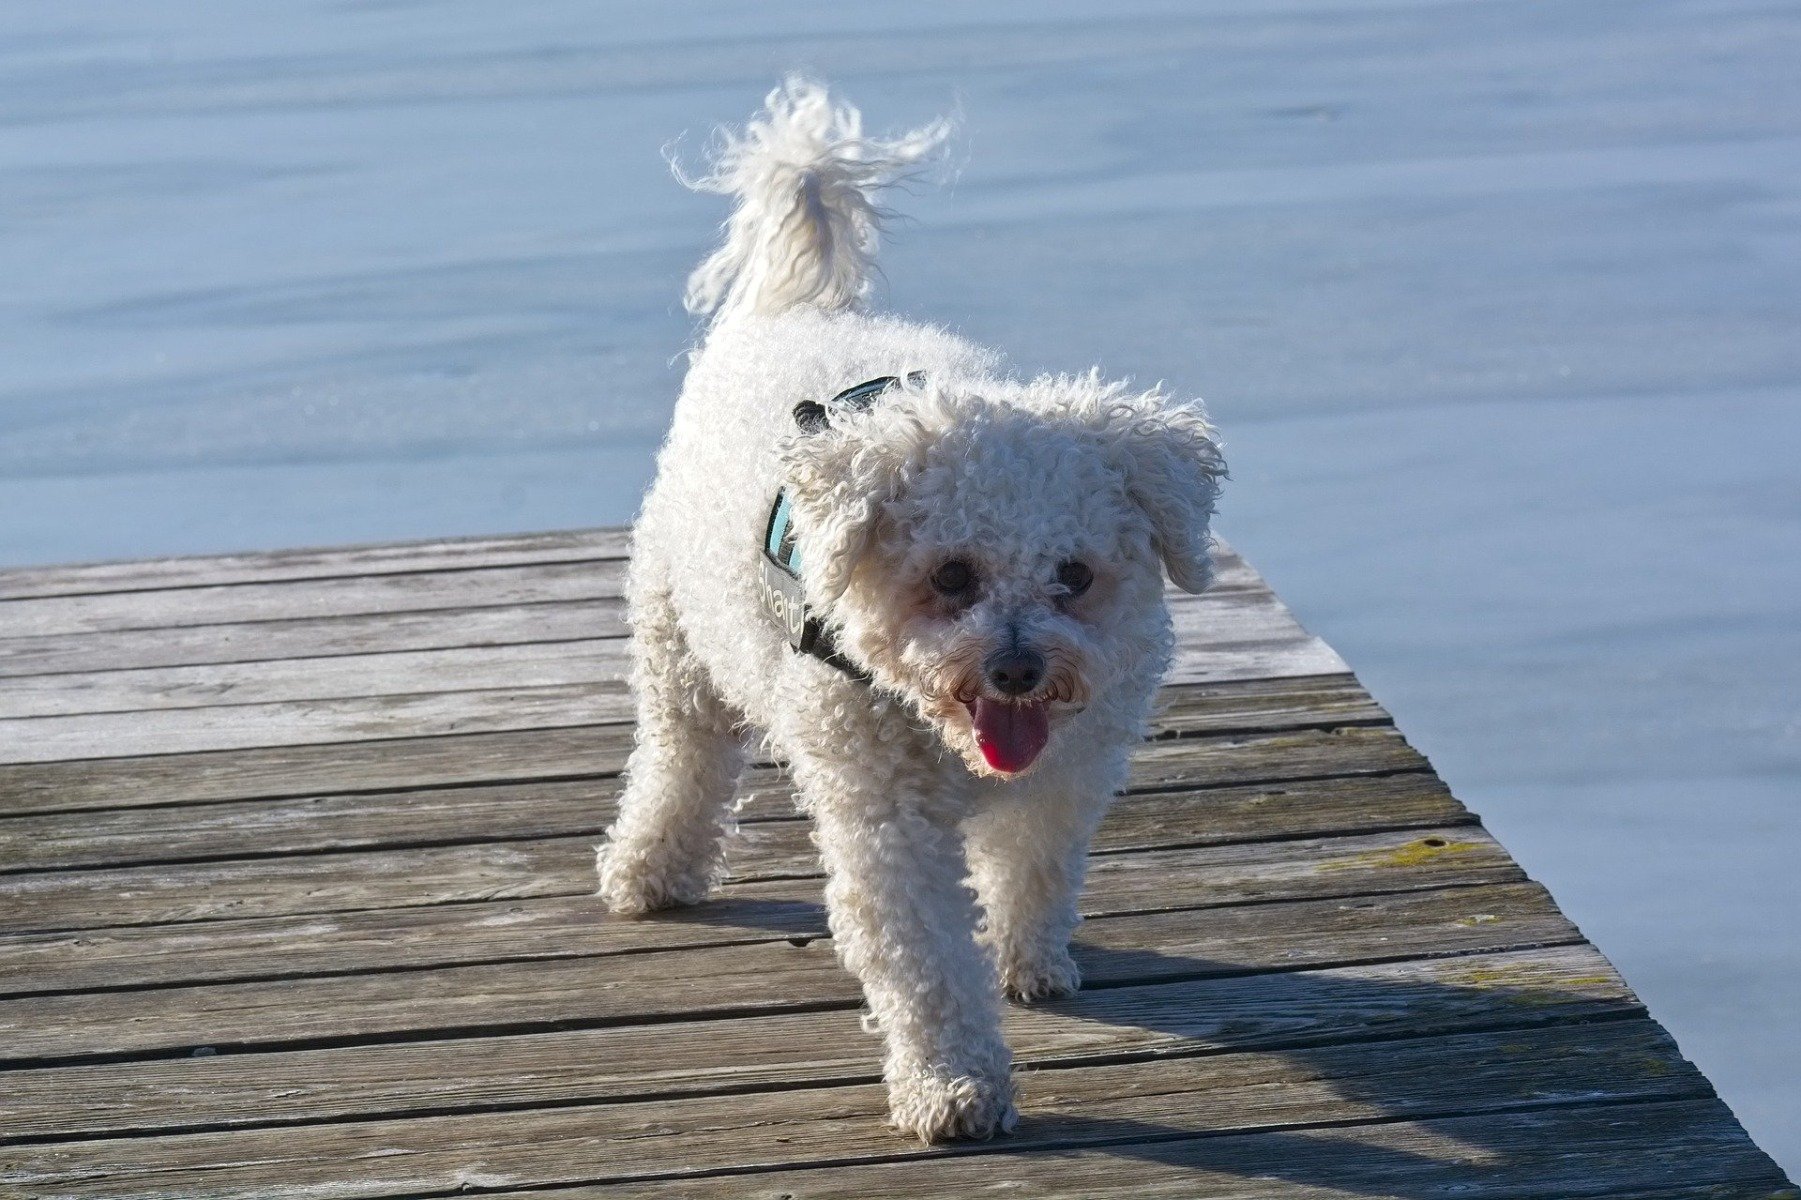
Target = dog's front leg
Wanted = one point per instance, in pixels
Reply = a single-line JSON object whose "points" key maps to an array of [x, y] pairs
{"points": [[1028, 851], [904, 923]]}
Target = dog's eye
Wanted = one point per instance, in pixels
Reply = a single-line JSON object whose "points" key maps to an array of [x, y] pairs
{"points": [[954, 577], [1074, 577]]}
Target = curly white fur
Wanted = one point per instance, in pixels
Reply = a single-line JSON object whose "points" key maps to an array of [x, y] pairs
{"points": [[950, 879], [806, 227]]}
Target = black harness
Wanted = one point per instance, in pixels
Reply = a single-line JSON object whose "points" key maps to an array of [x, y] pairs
{"points": [[782, 593]]}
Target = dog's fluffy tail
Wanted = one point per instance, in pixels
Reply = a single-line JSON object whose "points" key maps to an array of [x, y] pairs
{"points": [[806, 226]]}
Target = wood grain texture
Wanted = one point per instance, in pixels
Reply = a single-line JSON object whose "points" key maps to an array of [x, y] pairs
{"points": [[1515, 990], [595, 653], [1189, 1096], [198, 832], [432, 555], [266, 566], [507, 812], [577, 751], [425, 697], [1132, 937], [296, 863], [309, 722], [499, 624], [561, 926], [348, 881], [210, 604], [1567, 1153], [588, 659], [309, 637], [292, 771], [250, 597]]}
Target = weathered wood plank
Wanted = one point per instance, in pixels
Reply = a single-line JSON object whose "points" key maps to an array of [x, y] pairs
{"points": [[586, 751], [350, 882], [1491, 987], [1561, 1153], [377, 879], [329, 636], [417, 591], [441, 554], [78, 784], [505, 812], [1395, 1080], [599, 654], [360, 593], [1773, 1188], [715, 979], [354, 676], [308, 722], [424, 943], [1277, 658], [424, 698], [384, 558], [1236, 706], [96, 736], [310, 637], [564, 926], [89, 738]]}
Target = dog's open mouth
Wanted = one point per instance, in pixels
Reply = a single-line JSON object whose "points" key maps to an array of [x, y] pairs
{"points": [[1011, 736]]}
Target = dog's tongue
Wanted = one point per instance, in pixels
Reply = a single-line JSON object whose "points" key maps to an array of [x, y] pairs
{"points": [[1011, 735]]}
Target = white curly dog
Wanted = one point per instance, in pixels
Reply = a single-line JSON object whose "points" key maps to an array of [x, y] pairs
{"points": [[934, 586]]}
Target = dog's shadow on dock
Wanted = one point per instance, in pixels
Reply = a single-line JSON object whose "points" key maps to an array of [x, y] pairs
{"points": [[1348, 1082], [1315, 1051]]}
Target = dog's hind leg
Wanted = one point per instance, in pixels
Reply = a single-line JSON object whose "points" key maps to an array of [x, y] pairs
{"points": [[1027, 855], [666, 847]]}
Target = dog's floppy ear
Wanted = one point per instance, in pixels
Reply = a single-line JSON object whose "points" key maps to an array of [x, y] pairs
{"points": [[1171, 460], [839, 477]]}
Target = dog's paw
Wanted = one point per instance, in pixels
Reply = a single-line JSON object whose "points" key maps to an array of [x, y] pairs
{"points": [[1050, 975], [632, 885], [939, 1108]]}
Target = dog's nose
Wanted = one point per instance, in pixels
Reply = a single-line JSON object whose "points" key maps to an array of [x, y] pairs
{"points": [[1015, 672]]}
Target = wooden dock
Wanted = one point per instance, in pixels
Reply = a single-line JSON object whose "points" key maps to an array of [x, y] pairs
{"points": [[297, 855]]}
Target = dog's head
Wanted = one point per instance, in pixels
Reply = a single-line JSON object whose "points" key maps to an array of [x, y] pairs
{"points": [[998, 558]]}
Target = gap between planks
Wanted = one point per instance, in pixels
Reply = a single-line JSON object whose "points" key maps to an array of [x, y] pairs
{"points": [[1139, 925], [343, 880], [167, 835], [569, 926], [1587, 1066], [597, 656], [253, 600], [1298, 1002], [416, 764], [1626, 1152], [548, 657], [384, 716], [1150, 949], [435, 554]]}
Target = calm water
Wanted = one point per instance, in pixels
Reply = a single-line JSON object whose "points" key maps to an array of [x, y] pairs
{"points": [[1497, 303]]}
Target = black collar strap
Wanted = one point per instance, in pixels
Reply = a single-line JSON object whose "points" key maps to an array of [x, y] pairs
{"points": [[812, 416], [782, 593]]}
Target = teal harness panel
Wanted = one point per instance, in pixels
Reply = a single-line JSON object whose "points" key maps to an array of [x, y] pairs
{"points": [[781, 562], [779, 542]]}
